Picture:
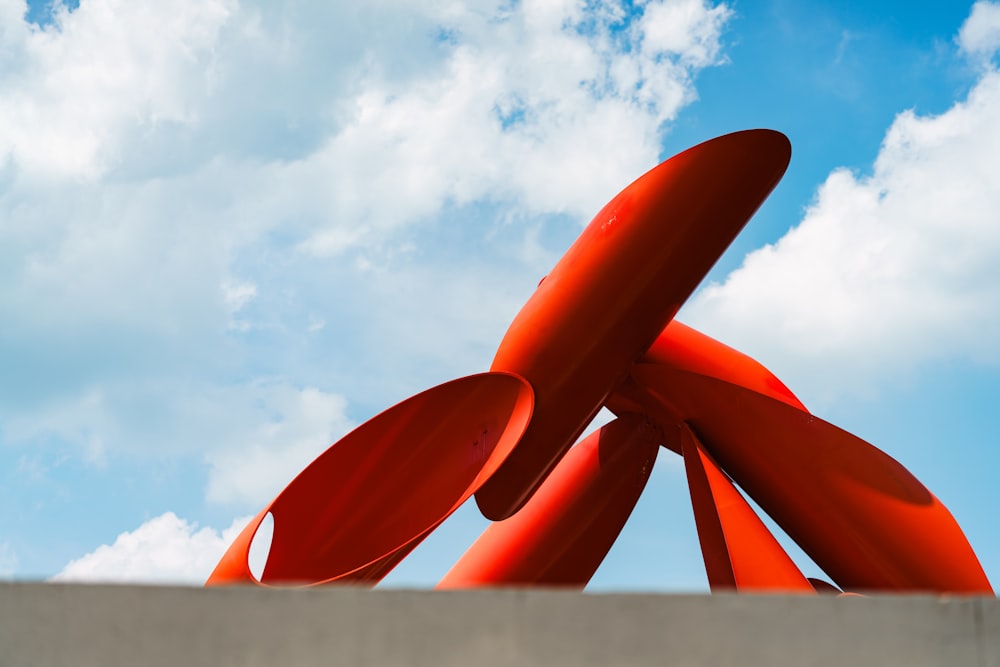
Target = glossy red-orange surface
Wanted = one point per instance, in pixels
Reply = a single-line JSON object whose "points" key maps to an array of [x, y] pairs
{"points": [[687, 349], [684, 348], [616, 288], [562, 534], [370, 498], [740, 552], [861, 516]]}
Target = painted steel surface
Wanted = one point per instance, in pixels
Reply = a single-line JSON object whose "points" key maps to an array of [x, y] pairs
{"points": [[740, 552], [370, 498], [615, 289], [562, 534], [858, 513], [597, 332], [681, 347]]}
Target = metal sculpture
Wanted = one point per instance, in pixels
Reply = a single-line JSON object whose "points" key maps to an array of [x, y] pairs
{"points": [[599, 332]]}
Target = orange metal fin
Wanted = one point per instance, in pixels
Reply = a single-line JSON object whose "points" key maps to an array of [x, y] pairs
{"points": [[684, 348], [616, 288], [859, 514], [562, 534], [740, 552], [370, 498]]}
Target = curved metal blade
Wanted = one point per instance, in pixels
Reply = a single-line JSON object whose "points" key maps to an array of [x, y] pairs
{"points": [[683, 348], [740, 552], [859, 514], [370, 498], [617, 287], [562, 534]]}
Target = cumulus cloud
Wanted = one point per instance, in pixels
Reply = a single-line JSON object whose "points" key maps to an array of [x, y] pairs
{"points": [[685, 28], [222, 217], [166, 549], [526, 91], [254, 438], [887, 271], [72, 88], [980, 34], [188, 189], [253, 468]]}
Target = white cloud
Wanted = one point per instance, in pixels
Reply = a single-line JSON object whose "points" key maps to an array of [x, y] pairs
{"points": [[252, 468], [166, 549], [542, 105], [686, 28], [886, 272], [980, 34], [254, 437], [237, 295], [221, 217], [107, 67]]}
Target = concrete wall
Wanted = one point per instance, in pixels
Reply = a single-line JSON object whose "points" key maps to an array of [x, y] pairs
{"points": [[50, 624]]}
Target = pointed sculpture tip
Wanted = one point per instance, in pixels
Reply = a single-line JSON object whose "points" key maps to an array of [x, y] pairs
{"points": [[766, 146], [766, 149], [782, 140], [777, 143]]}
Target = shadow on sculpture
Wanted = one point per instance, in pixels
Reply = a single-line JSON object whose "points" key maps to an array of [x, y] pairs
{"points": [[599, 332]]}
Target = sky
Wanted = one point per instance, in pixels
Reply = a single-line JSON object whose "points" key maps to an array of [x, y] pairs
{"points": [[231, 231]]}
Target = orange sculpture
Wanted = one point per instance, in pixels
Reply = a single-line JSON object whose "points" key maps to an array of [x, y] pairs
{"points": [[599, 332]]}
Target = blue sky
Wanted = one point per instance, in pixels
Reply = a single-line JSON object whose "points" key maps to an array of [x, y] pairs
{"points": [[231, 231]]}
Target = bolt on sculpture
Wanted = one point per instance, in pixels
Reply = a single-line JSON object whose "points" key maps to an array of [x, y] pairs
{"points": [[599, 332]]}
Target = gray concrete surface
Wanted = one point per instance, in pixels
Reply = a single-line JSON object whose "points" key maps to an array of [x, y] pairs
{"points": [[59, 624]]}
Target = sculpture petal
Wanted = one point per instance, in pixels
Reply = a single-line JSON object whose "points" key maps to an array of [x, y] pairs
{"points": [[740, 552], [564, 532], [615, 289], [370, 498], [861, 516]]}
